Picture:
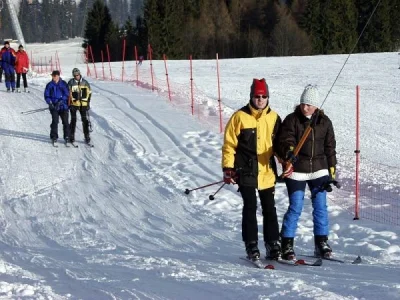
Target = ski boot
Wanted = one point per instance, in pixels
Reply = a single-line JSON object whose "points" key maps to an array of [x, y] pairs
{"points": [[252, 250], [322, 248], [18, 90], [273, 250], [287, 249]]}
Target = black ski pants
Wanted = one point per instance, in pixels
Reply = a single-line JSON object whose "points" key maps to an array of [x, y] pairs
{"points": [[249, 215], [1, 74], [55, 116], [23, 78], [85, 123]]}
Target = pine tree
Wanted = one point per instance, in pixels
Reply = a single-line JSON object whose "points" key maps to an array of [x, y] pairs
{"points": [[98, 26], [287, 38], [172, 25], [153, 24]]}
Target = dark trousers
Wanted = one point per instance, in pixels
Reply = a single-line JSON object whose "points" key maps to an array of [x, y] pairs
{"points": [[1, 74], [23, 78], [10, 79], [55, 116], [249, 215], [85, 123]]}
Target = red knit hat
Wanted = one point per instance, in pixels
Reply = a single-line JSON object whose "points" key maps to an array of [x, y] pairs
{"points": [[259, 87]]}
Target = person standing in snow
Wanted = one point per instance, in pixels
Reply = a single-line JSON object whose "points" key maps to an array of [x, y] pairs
{"points": [[80, 94], [248, 160], [1, 72], [7, 56], [56, 95], [22, 67], [315, 165]]}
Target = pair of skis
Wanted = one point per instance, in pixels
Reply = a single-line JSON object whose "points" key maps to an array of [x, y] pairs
{"points": [[300, 262], [90, 145]]}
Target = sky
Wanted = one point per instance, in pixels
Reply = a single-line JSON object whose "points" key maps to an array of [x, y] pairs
{"points": [[113, 221]]}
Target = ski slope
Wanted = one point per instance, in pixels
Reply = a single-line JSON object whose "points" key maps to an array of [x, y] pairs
{"points": [[112, 222]]}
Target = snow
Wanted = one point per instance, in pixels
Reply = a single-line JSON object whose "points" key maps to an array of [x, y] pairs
{"points": [[112, 222]]}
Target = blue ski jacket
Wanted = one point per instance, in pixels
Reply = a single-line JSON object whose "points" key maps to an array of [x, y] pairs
{"points": [[57, 93]]}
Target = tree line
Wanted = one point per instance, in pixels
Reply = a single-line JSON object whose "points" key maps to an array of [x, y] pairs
{"points": [[202, 28]]}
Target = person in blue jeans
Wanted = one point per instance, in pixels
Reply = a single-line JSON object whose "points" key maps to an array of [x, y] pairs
{"points": [[314, 165], [56, 95]]}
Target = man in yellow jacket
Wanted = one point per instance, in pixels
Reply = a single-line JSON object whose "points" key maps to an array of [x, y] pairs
{"points": [[248, 160]]}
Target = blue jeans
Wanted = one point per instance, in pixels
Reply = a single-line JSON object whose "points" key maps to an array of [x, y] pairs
{"points": [[296, 191]]}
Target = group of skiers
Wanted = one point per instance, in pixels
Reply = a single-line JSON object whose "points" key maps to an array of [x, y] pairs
{"points": [[62, 98], [253, 137], [14, 62]]}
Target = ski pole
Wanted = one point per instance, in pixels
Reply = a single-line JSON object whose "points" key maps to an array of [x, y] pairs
{"points": [[33, 111], [211, 197], [187, 191]]}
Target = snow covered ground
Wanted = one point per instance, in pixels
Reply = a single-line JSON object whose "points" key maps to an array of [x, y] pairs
{"points": [[112, 222]]}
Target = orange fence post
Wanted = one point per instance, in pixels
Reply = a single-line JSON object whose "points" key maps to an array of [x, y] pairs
{"points": [[219, 98], [151, 66], [137, 67], [123, 59], [109, 61], [191, 84], [357, 152], [166, 74]]}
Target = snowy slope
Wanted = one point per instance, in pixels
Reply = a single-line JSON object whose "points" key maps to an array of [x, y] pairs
{"points": [[112, 222]]}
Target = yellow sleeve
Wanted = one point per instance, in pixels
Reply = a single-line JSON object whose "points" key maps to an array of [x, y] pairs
{"points": [[230, 143]]}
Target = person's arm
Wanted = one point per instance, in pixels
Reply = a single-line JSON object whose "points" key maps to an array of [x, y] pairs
{"points": [[330, 145], [230, 143]]}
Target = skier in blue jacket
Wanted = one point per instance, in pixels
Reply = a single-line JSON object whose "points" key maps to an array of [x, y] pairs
{"points": [[8, 57], [56, 95]]}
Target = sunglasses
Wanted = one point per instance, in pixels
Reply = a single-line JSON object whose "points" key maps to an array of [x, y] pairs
{"points": [[261, 96]]}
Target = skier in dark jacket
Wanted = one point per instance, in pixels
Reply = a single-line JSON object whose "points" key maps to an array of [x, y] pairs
{"points": [[315, 165], [8, 57], [248, 159], [56, 95], [80, 101]]}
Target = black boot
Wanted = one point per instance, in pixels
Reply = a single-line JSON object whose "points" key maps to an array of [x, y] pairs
{"points": [[252, 250], [322, 248], [287, 249], [273, 250]]}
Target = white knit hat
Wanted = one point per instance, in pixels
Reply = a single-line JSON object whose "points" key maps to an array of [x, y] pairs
{"points": [[310, 96]]}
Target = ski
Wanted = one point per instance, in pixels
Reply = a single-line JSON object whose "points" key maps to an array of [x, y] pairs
{"points": [[74, 145], [54, 144], [300, 262], [258, 263], [90, 145], [356, 261]]}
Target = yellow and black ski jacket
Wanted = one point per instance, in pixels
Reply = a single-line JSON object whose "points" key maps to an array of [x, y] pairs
{"points": [[248, 146], [80, 92]]}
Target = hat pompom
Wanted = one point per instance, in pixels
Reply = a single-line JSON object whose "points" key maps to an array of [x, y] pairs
{"points": [[310, 96]]}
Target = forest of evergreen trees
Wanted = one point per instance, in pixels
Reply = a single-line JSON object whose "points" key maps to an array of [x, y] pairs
{"points": [[232, 28]]}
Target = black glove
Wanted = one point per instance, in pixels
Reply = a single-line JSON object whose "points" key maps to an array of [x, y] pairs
{"points": [[51, 106]]}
